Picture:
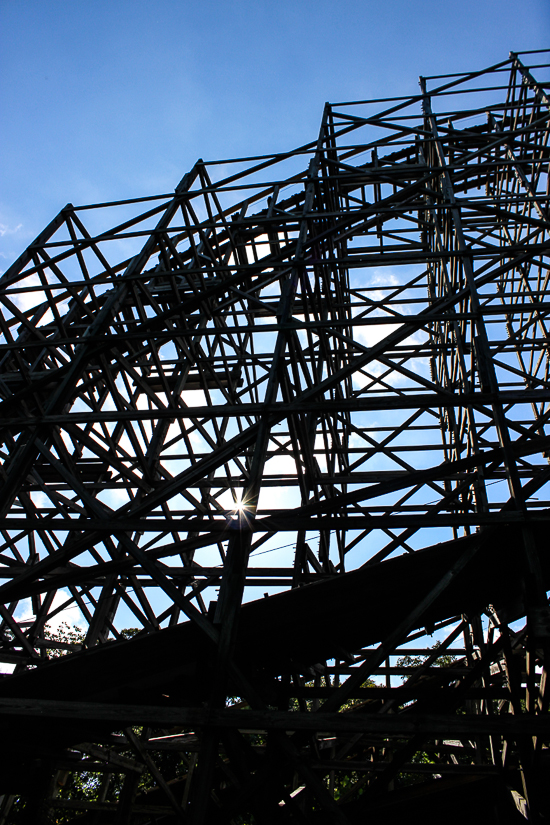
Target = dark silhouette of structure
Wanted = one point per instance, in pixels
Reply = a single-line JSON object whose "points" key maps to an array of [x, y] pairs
{"points": [[322, 374]]}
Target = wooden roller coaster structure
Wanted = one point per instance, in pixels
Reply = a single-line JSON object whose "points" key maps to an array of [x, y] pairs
{"points": [[278, 441]]}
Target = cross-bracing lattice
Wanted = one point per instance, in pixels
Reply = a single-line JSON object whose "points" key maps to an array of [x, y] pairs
{"points": [[322, 376]]}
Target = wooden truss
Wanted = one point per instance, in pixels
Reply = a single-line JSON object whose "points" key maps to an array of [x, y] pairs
{"points": [[288, 425]]}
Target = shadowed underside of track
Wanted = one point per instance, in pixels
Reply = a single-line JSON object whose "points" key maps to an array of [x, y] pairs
{"points": [[287, 632], [279, 635]]}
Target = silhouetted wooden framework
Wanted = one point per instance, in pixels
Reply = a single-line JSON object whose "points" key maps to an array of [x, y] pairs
{"points": [[322, 375]]}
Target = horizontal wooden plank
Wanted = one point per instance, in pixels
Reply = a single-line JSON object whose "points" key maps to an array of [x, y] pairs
{"points": [[282, 521], [367, 403], [406, 723]]}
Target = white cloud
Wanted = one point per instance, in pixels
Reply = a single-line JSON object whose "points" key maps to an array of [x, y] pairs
{"points": [[26, 300], [71, 614], [24, 612], [7, 230]]}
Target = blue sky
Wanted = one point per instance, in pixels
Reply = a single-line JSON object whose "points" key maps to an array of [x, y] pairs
{"points": [[109, 99], [112, 99]]}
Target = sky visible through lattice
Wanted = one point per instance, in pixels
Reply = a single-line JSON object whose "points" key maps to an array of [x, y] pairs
{"points": [[119, 100]]}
